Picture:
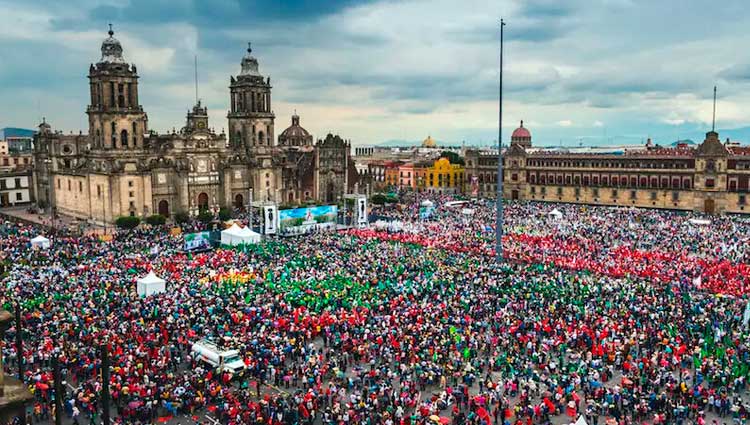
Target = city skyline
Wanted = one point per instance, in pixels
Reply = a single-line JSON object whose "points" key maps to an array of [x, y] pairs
{"points": [[378, 71]]}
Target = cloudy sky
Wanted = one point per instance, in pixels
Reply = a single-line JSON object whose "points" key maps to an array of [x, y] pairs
{"points": [[588, 71]]}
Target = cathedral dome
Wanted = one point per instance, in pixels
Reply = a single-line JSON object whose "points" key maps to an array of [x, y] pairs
{"points": [[521, 132], [112, 49], [429, 142], [295, 135], [249, 63]]}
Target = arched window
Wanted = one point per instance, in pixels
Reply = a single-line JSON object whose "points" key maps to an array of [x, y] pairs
{"points": [[135, 134], [98, 139], [124, 139], [114, 134], [260, 137]]}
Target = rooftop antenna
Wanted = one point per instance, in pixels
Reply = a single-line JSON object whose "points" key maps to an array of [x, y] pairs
{"points": [[713, 121], [196, 79]]}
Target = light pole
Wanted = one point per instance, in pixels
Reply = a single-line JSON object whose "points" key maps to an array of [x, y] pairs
{"points": [[250, 209], [50, 184], [499, 200]]}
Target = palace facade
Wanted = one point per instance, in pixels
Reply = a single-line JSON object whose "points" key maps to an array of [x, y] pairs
{"points": [[712, 178], [121, 167]]}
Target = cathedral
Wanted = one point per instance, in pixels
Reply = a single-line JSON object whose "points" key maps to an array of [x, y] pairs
{"points": [[121, 167]]}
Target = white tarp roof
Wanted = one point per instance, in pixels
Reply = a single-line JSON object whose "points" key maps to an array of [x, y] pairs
{"points": [[699, 222], [555, 212], [467, 211], [427, 203], [581, 421], [40, 241], [150, 284], [237, 235]]}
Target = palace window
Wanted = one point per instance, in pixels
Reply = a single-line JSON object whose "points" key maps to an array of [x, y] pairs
{"points": [[675, 196], [559, 191], [653, 196], [578, 192], [632, 194], [596, 193], [741, 200], [710, 183]]}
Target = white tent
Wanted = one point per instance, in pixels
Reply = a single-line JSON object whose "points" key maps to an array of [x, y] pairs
{"points": [[467, 211], [699, 222], [427, 203], [40, 242], [236, 235], [581, 421], [150, 284], [249, 235], [556, 214]]}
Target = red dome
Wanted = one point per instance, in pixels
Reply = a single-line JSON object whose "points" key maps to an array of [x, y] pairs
{"points": [[521, 132]]}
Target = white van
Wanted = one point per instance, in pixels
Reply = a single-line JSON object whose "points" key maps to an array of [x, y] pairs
{"points": [[226, 360]]}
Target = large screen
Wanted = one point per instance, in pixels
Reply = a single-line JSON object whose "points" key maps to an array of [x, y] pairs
{"points": [[301, 218], [197, 241]]}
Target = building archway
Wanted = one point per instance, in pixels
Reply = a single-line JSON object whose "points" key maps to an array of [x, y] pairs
{"points": [[203, 201], [239, 201], [709, 206], [164, 208]]}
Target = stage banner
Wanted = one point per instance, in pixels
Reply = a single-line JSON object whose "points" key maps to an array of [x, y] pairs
{"points": [[197, 241], [362, 212], [270, 219], [300, 219]]}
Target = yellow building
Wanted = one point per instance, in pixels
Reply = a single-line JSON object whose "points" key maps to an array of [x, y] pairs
{"points": [[443, 176]]}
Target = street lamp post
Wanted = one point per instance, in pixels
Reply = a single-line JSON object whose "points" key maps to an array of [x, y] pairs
{"points": [[50, 184], [499, 200], [250, 208]]}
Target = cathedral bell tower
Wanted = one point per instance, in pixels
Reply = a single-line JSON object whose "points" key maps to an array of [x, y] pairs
{"points": [[250, 117], [116, 119]]}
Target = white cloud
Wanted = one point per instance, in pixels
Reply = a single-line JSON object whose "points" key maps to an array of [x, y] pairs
{"points": [[598, 123], [565, 123]]}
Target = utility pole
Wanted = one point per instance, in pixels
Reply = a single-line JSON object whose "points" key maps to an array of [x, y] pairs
{"points": [[57, 383], [499, 200], [19, 342], [250, 209]]}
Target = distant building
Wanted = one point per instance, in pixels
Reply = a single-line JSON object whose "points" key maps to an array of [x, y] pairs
{"points": [[16, 164], [710, 178]]}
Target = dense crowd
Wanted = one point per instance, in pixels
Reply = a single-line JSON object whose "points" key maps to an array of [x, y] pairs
{"points": [[618, 315]]}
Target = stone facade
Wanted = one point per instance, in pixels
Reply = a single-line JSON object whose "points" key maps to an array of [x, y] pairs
{"points": [[712, 178], [121, 167]]}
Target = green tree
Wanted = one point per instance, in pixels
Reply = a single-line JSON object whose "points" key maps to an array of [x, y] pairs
{"points": [[127, 222], [452, 157], [378, 199], [205, 216], [156, 220], [181, 217], [225, 214]]}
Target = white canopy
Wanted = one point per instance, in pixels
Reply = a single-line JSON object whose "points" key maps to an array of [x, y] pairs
{"points": [[467, 211], [427, 203], [150, 284], [699, 222], [581, 421], [40, 242], [237, 235], [555, 213]]}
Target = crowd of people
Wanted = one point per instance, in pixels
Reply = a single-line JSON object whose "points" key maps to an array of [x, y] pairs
{"points": [[617, 316]]}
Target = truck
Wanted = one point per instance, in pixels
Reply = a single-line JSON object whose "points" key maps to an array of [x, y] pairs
{"points": [[224, 360]]}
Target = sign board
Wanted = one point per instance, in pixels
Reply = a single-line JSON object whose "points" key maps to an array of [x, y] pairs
{"points": [[302, 219], [270, 219], [197, 241]]}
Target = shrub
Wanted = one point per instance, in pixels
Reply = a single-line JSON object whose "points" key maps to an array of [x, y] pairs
{"points": [[127, 222], [156, 220], [205, 216], [181, 217], [225, 214], [378, 199]]}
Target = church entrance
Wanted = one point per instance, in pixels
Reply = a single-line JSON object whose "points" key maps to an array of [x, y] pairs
{"points": [[239, 202], [709, 206], [203, 202], [329, 192], [164, 208], [514, 195]]}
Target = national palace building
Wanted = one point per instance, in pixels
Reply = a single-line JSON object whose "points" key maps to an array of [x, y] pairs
{"points": [[713, 177], [121, 167]]}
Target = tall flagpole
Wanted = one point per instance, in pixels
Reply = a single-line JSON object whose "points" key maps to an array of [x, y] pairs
{"points": [[499, 200]]}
